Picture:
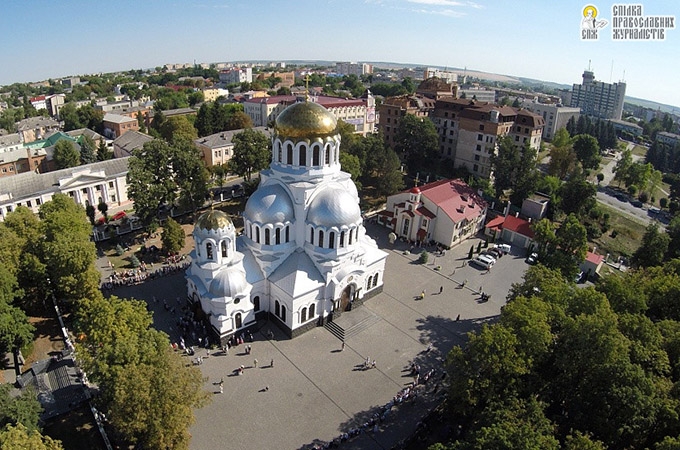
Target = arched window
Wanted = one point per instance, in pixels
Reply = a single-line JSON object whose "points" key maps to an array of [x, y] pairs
{"points": [[209, 250], [287, 234], [327, 156], [375, 280], [350, 236], [256, 303], [266, 236], [224, 249], [368, 283], [239, 321], [303, 315], [257, 234], [311, 235], [302, 156], [279, 153], [342, 239], [315, 156], [320, 244], [278, 236], [289, 154], [311, 311], [331, 240], [277, 308], [283, 313]]}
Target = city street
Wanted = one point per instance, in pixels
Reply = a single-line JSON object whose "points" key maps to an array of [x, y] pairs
{"points": [[315, 391]]}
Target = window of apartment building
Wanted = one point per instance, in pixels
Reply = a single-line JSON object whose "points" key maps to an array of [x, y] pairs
{"points": [[480, 137], [98, 188], [450, 141], [11, 168], [9, 208], [38, 202], [388, 120], [516, 138], [481, 127], [113, 197], [446, 114], [475, 168], [449, 152], [479, 148], [451, 133], [388, 129], [476, 157], [519, 129], [110, 184], [84, 190], [524, 140], [526, 130], [29, 204]]}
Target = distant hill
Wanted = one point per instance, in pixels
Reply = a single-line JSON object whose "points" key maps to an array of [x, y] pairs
{"points": [[653, 105]]}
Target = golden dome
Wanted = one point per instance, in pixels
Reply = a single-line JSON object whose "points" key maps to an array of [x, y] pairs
{"points": [[306, 119], [213, 220]]}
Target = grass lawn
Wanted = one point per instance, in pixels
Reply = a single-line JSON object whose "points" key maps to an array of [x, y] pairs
{"points": [[623, 237], [639, 150]]}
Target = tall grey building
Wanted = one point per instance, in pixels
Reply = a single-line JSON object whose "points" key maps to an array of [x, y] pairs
{"points": [[598, 99]]}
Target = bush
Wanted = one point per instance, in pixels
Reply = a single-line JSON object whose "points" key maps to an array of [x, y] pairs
{"points": [[119, 250], [134, 261], [424, 256]]}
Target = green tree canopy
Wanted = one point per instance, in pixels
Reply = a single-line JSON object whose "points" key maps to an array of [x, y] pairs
{"points": [[173, 236], [252, 153], [587, 151], [21, 438], [88, 150], [417, 142], [65, 154]]}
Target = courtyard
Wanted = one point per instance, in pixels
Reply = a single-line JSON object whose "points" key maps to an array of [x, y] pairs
{"points": [[315, 390]]}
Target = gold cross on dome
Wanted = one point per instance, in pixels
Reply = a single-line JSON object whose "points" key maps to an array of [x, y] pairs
{"points": [[307, 87]]}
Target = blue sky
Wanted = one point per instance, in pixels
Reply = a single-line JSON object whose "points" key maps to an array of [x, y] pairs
{"points": [[534, 38]]}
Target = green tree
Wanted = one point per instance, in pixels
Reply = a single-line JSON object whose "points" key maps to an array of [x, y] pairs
{"points": [[178, 128], [563, 161], [252, 153], [103, 208], [69, 114], [587, 151], [504, 164], [526, 176], [67, 250], [577, 196], [65, 154], [239, 120], [103, 153], [173, 237], [161, 173], [88, 150], [23, 409], [146, 388], [417, 142], [653, 247], [20, 438]]}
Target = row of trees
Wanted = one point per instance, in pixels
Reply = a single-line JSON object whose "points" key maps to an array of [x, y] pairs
{"points": [[602, 130], [573, 368]]}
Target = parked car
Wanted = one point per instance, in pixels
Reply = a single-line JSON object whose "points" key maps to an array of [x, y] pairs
{"points": [[532, 259], [494, 253], [483, 261], [504, 247], [636, 203]]}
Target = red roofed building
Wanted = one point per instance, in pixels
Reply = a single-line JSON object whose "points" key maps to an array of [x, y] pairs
{"points": [[511, 229], [446, 211], [592, 264]]}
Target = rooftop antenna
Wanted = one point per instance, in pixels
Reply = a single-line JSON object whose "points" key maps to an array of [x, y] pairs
{"points": [[589, 66]]}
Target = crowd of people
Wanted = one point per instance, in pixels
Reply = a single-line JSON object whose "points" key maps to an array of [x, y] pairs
{"points": [[142, 273], [405, 395]]}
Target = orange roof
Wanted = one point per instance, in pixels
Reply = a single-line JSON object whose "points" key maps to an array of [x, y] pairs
{"points": [[519, 226], [496, 222], [594, 258]]}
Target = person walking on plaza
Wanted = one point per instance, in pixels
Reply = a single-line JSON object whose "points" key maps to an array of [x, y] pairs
{"points": [[255, 363], [343, 346], [441, 289], [271, 364]]}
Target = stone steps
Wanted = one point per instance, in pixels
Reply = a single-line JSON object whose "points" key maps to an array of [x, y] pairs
{"points": [[342, 333]]}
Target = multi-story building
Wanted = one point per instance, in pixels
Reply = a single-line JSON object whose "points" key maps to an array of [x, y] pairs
{"points": [[21, 160], [469, 131], [555, 116], [358, 112], [116, 125], [36, 128], [445, 75], [598, 99], [103, 181], [124, 145], [352, 68], [287, 78], [211, 94], [10, 142], [627, 127], [669, 140], [242, 75], [393, 109], [218, 148], [477, 93]]}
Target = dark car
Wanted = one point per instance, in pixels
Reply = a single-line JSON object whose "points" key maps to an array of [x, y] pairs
{"points": [[636, 203]]}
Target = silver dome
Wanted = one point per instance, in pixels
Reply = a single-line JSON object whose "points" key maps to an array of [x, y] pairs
{"points": [[228, 283], [333, 206], [270, 204]]}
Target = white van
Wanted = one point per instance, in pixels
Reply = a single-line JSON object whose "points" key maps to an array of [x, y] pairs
{"points": [[483, 261]]}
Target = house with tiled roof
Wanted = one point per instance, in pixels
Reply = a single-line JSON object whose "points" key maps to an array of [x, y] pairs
{"points": [[129, 142], [446, 211], [218, 148], [592, 264]]}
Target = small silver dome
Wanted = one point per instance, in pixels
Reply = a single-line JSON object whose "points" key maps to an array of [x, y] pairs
{"points": [[333, 206], [228, 283], [270, 204]]}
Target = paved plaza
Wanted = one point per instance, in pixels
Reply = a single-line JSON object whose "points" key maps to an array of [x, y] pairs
{"points": [[316, 391]]}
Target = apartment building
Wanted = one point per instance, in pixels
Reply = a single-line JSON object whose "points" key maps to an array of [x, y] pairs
{"points": [[469, 131], [217, 149], [598, 99], [115, 125], [352, 68], [555, 116], [239, 75], [393, 109]]}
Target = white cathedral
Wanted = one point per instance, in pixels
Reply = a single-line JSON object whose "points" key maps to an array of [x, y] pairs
{"points": [[304, 254]]}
